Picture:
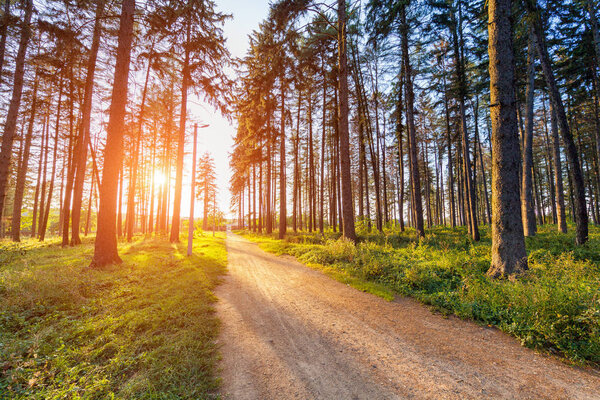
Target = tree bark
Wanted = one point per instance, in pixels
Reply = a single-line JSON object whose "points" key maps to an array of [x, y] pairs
{"points": [[133, 177], [37, 186], [46, 213], [174, 237], [84, 129], [558, 178], [346, 178], [3, 34], [417, 202], [550, 165], [508, 242], [528, 212], [22, 172], [10, 127], [462, 88], [105, 251], [282, 175], [399, 139]]}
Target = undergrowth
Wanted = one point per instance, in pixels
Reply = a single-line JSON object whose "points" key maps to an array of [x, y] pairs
{"points": [[555, 306], [144, 329]]}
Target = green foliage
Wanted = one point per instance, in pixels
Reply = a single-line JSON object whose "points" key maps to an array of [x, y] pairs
{"points": [[145, 329], [555, 306]]}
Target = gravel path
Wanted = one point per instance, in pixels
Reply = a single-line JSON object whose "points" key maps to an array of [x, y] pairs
{"points": [[290, 332]]}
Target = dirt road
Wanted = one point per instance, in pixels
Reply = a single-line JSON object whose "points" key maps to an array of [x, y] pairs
{"points": [[290, 332]]}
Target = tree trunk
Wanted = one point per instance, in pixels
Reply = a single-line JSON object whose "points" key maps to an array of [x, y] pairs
{"points": [[399, 139], [71, 157], [297, 166], [4, 34], [37, 187], [45, 150], [508, 242], [282, 163], [22, 172], [483, 175], [310, 177], [270, 140], [120, 203], [105, 251], [133, 177], [467, 178], [174, 237], [416, 203], [152, 184], [581, 216], [10, 127], [558, 178], [84, 129], [528, 212], [346, 178], [322, 176], [88, 215], [550, 164], [53, 173]]}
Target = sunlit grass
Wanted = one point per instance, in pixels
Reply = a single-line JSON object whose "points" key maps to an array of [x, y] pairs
{"points": [[143, 329], [555, 306]]}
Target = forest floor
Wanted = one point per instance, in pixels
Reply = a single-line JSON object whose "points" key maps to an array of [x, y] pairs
{"points": [[291, 332], [144, 329]]}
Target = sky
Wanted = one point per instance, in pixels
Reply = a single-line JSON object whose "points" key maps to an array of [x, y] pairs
{"points": [[217, 138]]}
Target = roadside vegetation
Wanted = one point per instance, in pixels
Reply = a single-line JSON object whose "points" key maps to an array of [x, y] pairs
{"points": [[555, 306], [144, 329]]}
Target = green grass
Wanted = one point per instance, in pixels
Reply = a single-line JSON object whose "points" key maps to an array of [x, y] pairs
{"points": [[555, 306], [145, 329]]}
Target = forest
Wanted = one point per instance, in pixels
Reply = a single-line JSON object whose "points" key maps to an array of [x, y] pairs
{"points": [[442, 150]]}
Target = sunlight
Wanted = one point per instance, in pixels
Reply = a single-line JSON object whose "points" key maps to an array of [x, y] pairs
{"points": [[159, 177]]}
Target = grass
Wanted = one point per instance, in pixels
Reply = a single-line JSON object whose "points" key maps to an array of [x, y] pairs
{"points": [[554, 307], [145, 329]]}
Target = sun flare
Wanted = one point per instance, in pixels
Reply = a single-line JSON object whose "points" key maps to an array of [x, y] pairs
{"points": [[159, 178]]}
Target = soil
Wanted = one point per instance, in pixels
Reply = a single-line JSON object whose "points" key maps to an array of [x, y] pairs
{"points": [[291, 332]]}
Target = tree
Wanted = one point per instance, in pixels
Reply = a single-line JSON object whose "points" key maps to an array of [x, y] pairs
{"points": [[344, 135], [105, 250], [581, 215], [207, 182], [22, 172], [194, 30], [529, 223], [508, 242], [10, 126], [77, 172]]}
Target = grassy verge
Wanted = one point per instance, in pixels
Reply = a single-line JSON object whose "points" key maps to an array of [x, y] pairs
{"points": [[144, 329], [555, 306]]}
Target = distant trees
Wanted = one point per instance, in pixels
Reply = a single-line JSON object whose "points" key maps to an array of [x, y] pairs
{"points": [[193, 30], [435, 120], [580, 206], [207, 185]]}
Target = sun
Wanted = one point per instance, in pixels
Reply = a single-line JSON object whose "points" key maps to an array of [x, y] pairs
{"points": [[159, 177]]}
